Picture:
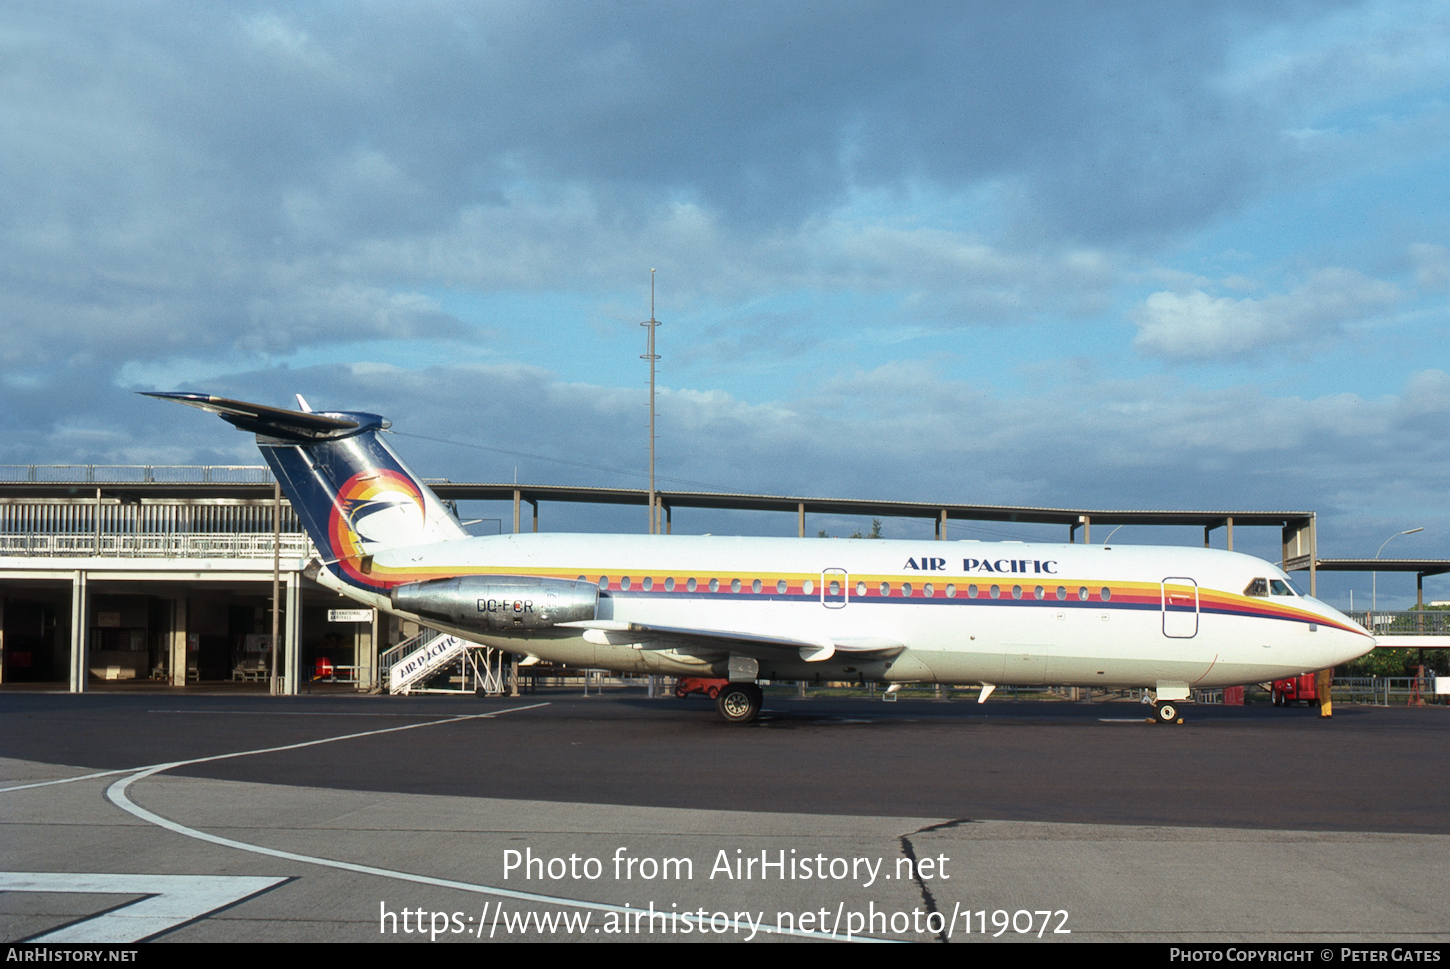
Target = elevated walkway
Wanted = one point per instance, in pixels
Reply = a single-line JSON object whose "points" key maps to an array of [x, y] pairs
{"points": [[1407, 629]]}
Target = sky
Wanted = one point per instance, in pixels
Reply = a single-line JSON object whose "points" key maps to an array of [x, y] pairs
{"points": [[1153, 255]]}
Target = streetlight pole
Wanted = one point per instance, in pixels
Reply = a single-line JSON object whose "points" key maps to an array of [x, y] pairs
{"points": [[651, 356], [1374, 581]]}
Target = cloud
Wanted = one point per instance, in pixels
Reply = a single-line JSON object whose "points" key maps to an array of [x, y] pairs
{"points": [[1195, 326], [1432, 265]]}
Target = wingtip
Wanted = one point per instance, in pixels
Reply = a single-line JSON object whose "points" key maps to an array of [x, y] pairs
{"points": [[178, 395]]}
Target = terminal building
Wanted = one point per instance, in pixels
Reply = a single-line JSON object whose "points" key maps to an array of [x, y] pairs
{"points": [[111, 574]]}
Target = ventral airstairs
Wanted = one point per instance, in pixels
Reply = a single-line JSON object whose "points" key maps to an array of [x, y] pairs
{"points": [[413, 664]]}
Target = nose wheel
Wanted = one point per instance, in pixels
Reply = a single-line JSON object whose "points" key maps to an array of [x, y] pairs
{"points": [[739, 702]]}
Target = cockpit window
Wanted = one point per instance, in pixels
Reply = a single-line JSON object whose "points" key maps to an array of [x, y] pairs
{"points": [[1258, 587], [1280, 588]]}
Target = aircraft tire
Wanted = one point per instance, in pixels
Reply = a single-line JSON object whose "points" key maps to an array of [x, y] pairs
{"points": [[1165, 711], [739, 702]]}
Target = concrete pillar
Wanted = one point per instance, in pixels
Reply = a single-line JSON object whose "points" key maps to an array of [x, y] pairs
{"points": [[801, 517], [367, 658], [292, 635], [176, 642], [79, 632]]}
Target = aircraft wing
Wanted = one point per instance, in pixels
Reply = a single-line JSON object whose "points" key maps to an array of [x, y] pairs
{"points": [[726, 641]]}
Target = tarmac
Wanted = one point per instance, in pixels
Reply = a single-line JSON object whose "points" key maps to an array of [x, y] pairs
{"points": [[181, 817]]}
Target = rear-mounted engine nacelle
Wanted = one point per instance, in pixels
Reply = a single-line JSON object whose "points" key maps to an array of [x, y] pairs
{"points": [[499, 602]]}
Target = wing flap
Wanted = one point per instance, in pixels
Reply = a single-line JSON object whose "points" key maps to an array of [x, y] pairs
{"points": [[742, 642]]}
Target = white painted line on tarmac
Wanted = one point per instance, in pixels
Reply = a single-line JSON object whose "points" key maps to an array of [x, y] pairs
{"points": [[117, 795], [321, 713], [270, 750], [172, 900]]}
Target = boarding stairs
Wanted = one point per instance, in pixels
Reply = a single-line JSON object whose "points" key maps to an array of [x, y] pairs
{"points": [[411, 664]]}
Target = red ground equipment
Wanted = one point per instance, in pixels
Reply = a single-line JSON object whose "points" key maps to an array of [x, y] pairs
{"points": [[1298, 689], [686, 685]]}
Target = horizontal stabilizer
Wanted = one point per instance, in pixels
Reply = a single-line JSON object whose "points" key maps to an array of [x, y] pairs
{"points": [[268, 421]]}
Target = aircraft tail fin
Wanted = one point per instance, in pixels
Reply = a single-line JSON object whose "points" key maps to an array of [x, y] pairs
{"points": [[354, 495]]}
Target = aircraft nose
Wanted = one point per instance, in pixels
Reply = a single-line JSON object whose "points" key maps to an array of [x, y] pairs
{"points": [[1354, 640]]}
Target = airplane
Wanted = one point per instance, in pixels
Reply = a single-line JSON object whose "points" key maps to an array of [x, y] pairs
{"points": [[1164, 619]]}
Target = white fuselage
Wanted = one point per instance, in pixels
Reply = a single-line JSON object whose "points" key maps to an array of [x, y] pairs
{"points": [[1072, 615]]}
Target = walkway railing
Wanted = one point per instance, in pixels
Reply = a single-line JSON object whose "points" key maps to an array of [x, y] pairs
{"points": [[243, 545], [1410, 622], [136, 473], [1383, 690]]}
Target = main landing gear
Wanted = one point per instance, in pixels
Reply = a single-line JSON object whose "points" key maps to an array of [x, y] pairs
{"points": [[1166, 711], [739, 702]]}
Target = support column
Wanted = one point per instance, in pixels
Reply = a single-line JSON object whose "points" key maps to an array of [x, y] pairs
{"points": [[516, 511], [79, 632], [1420, 604], [292, 636], [535, 504], [1228, 524], [941, 526], [367, 677], [176, 661], [801, 518], [669, 517], [1313, 554]]}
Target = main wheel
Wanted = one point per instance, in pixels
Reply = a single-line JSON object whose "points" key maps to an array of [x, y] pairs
{"points": [[739, 702], [1166, 711]]}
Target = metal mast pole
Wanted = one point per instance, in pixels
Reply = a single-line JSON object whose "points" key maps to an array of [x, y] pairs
{"points": [[276, 684], [651, 356]]}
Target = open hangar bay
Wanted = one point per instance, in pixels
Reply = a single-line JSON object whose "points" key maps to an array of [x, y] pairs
{"points": [[1257, 824]]}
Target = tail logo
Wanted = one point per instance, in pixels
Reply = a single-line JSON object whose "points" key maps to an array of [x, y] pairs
{"points": [[375, 509]]}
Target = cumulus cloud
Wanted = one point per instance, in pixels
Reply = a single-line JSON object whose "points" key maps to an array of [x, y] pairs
{"points": [[1197, 326]]}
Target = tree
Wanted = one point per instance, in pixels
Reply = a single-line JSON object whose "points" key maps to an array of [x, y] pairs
{"points": [[1382, 662]]}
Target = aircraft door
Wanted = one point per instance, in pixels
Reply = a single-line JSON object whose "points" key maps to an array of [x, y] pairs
{"points": [[1180, 607], [835, 590]]}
